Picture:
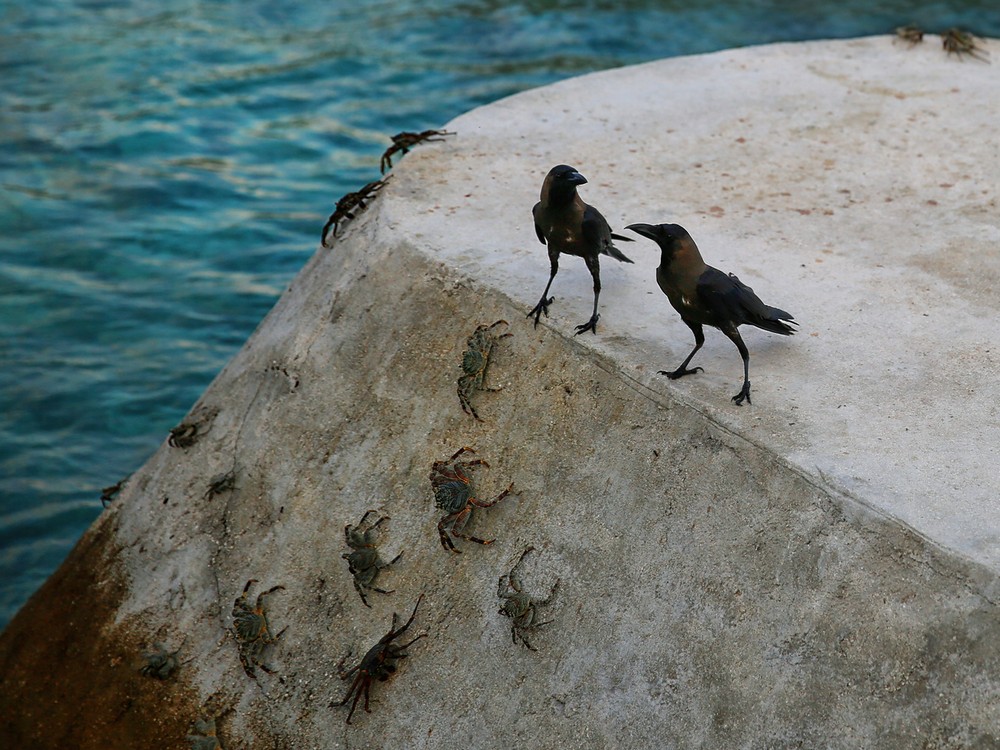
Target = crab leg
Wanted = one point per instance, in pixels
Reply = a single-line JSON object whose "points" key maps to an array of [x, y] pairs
{"points": [[501, 496], [260, 599], [357, 696]]}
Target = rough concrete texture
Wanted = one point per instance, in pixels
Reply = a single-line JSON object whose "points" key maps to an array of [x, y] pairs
{"points": [[816, 570]]}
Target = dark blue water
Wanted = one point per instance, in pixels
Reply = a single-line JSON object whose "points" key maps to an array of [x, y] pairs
{"points": [[166, 167]]}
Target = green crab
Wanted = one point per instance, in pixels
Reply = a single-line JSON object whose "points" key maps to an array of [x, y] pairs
{"points": [[363, 561], [159, 663], [519, 606], [252, 630], [475, 360]]}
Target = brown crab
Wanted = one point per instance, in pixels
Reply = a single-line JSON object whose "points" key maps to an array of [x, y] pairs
{"points": [[519, 606], [363, 561], [455, 495], [206, 738], [910, 33], [183, 435], [159, 662], [252, 630], [958, 42], [188, 432], [405, 141], [108, 494], [350, 205], [379, 663], [221, 483], [475, 360]]}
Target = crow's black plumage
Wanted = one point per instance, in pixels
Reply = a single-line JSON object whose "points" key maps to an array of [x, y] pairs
{"points": [[568, 225], [704, 295]]}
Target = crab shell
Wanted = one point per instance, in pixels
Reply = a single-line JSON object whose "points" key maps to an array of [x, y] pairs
{"points": [[516, 606], [249, 625], [473, 361], [452, 496], [358, 539]]}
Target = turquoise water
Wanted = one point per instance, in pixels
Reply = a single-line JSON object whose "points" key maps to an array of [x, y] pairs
{"points": [[166, 167]]}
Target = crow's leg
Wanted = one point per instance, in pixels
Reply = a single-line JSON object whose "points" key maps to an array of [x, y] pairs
{"points": [[699, 339], [744, 393], [546, 300], [594, 265]]}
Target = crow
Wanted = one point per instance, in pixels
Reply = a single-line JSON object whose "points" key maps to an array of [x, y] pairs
{"points": [[568, 225], [704, 295]]}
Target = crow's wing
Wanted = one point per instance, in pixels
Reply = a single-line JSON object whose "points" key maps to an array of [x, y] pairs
{"points": [[597, 234], [733, 302]]}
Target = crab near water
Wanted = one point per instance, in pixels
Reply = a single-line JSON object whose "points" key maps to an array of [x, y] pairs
{"points": [[475, 360], [363, 561], [350, 205], [405, 141], [108, 494], [191, 430], [379, 663], [910, 33], [252, 630], [519, 606], [456, 496], [183, 435], [958, 42]]}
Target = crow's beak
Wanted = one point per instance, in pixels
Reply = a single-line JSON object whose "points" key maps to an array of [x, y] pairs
{"points": [[646, 230]]}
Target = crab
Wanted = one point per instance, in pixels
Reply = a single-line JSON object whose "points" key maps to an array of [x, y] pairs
{"points": [[363, 561], [958, 42], [910, 33], [205, 739], [183, 435], [221, 483], [350, 205], [188, 432], [252, 630], [159, 662], [379, 663], [520, 607], [108, 494], [454, 494], [405, 141], [474, 363]]}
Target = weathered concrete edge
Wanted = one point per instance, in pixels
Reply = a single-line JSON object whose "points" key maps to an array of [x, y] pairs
{"points": [[69, 668]]}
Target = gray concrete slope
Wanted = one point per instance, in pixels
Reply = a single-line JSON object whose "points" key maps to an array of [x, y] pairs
{"points": [[816, 570]]}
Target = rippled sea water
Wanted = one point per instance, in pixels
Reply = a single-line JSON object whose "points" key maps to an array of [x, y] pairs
{"points": [[165, 169]]}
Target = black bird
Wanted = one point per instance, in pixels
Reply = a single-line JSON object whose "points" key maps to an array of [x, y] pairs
{"points": [[568, 225], [704, 295]]}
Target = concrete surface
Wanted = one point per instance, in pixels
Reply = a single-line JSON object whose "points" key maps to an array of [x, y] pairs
{"points": [[816, 570]]}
